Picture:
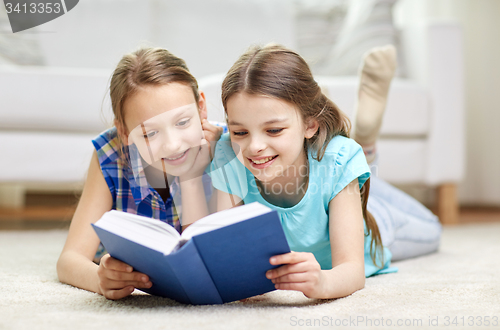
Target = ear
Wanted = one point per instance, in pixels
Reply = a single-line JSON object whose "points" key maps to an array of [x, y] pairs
{"points": [[122, 132], [312, 126], [202, 105]]}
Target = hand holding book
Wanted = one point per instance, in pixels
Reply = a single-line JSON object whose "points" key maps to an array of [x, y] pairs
{"points": [[220, 258], [117, 279]]}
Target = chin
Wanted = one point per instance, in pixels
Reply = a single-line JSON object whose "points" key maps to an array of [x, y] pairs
{"points": [[178, 171], [264, 177]]}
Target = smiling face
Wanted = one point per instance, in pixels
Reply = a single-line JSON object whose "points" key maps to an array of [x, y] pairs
{"points": [[164, 124], [269, 134]]}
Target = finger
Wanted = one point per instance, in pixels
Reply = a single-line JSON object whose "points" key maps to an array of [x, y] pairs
{"points": [[122, 276], [292, 278], [212, 132], [111, 263], [107, 273], [118, 294], [205, 124], [289, 258], [286, 269], [305, 287], [116, 285], [300, 286], [209, 135], [208, 129]]}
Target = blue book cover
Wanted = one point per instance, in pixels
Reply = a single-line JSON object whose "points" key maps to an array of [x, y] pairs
{"points": [[223, 258]]}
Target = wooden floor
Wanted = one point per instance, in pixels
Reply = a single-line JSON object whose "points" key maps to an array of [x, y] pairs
{"points": [[54, 211], [42, 211]]}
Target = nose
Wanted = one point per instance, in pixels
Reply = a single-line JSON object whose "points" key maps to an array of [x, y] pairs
{"points": [[257, 145], [171, 141]]}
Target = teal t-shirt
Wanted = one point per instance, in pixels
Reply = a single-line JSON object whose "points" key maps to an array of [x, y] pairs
{"points": [[306, 224]]}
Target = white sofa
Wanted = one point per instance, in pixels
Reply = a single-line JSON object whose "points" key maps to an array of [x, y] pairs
{"points": [[48, 115]]}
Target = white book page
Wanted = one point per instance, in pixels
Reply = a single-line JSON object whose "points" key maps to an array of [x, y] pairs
{"points": [[152, 233], [224, 218]]}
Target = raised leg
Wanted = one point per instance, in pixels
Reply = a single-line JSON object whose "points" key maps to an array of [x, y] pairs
{"points": [[375, 75]]}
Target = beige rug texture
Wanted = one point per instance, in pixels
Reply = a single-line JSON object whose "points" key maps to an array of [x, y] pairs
{"points": [[456, 288]]}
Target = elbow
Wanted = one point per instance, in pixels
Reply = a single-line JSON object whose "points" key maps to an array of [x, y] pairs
{"points": [[361, 282], [60, 268], [361, 277], [358, 278]]}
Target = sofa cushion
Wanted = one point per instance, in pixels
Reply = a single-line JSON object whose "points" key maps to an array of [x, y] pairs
{"points": [[402, 161], [54, 99], [44, 156], [407, 112]]}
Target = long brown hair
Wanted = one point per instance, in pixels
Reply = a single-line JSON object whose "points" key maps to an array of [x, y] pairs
{"points": [[145, 67], [281, 73]]}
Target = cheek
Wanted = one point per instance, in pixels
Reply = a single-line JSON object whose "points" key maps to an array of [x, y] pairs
{"points": [[193, 135], [240, 157], [293, 142], [283, 144], [238, 148], [147, 150], [142, 147]]}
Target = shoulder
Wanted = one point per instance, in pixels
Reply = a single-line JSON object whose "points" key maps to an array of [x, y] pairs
{"points": [[341, 145], [342, 151], [342, 162], [107, 146]]}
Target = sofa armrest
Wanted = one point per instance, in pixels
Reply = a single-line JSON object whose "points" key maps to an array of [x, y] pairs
{"points": [[434, 56]]}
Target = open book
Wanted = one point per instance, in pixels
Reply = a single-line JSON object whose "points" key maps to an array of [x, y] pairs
{"points": [[220, 258]]}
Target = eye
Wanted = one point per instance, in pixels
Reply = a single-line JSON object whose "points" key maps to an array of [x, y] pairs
{"points": [[275, 130], [183, 122], [239, 133], [150, 135]]}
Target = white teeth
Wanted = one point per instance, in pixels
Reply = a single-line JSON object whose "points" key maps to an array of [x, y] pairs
{"points": [[262, 161], [176, 157]]}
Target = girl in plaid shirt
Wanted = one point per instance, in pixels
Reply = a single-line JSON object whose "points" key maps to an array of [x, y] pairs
{"points": [[157, 148]]}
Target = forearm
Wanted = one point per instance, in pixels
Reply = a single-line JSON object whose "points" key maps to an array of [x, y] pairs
{"points": [[76, 270], [194, 201], [226, 201], [347, 243], [342, 280]]}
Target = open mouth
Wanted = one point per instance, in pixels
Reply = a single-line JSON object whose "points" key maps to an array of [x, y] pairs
{"points": [[263, 160], [177, 157]]}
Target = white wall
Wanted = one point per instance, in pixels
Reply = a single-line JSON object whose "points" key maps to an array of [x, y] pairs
{"points": [[481, 25]]}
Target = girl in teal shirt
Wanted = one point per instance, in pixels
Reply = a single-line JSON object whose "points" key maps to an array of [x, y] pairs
{"points": [[289, 148]]}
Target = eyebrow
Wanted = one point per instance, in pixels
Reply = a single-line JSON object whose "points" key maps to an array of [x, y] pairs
{"points": [[272, 121]]}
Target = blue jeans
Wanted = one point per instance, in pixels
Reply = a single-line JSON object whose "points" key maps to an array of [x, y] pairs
{"points": [[406, 227]]}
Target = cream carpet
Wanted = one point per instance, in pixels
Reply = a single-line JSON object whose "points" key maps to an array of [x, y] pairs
{"points": [[458, 287]]}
